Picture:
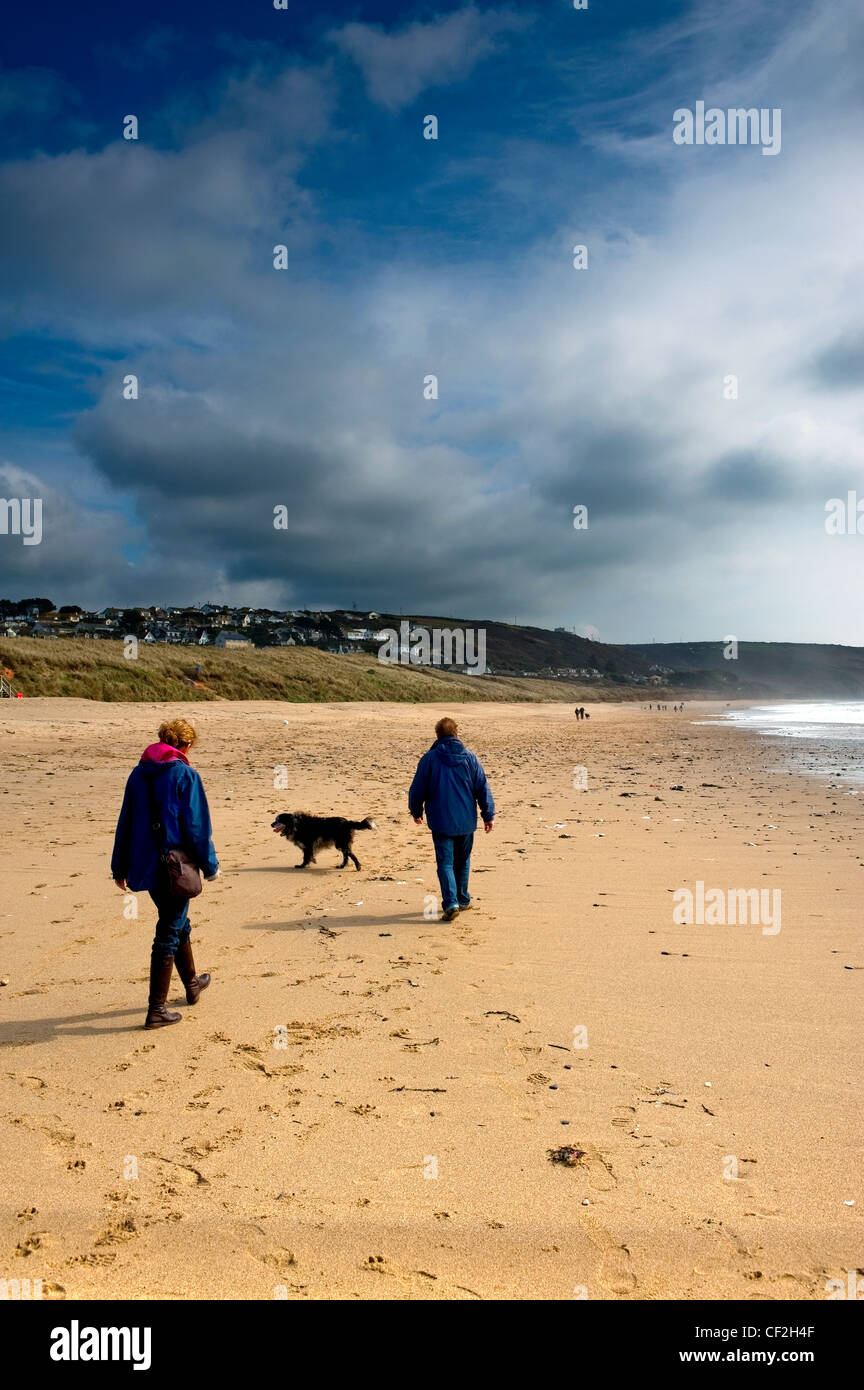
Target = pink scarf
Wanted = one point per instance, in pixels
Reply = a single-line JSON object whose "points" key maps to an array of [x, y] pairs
{"points": [[163, 753]]}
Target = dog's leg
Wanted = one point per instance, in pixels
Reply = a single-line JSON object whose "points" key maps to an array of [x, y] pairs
{"points": [[355, 859]]}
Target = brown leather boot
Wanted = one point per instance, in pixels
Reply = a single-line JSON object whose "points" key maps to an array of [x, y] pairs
{"points": [[160, 978], [186, 970]]}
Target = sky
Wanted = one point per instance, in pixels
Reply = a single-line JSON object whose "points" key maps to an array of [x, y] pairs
{"points": [[304, 388]]}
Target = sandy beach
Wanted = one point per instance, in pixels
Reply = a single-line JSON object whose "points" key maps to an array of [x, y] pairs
{"points": [[364, 1102]]}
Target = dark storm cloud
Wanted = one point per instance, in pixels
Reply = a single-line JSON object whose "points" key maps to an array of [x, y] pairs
{"points": [[620, 471], [841, 366], [742, 478], [77, 544]]}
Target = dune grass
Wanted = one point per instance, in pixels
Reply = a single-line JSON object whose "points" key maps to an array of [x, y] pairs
{"points": [[98, 670]]}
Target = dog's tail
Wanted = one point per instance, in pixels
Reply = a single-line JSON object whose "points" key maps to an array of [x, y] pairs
{"points": [[367, 824]]}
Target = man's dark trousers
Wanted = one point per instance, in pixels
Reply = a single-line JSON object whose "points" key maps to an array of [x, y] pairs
{"points": [[453, 858]]}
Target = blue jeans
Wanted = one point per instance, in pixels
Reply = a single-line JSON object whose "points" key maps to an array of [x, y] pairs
{"points": [[173, 926], [453, 858]]}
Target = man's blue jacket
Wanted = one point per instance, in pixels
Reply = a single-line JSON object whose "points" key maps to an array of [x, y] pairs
{"points": [[450, 784], [181, 806]]}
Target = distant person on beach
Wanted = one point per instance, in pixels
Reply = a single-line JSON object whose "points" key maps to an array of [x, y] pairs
{"points": [[164, 808], [449, 785]]}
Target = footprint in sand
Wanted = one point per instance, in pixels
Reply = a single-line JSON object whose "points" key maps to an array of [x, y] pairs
{"points": [[124, 1229], [615, 1273], [377, 1264], [183, 1173], [37, 1240], [260, 1245], [601, 1175]]}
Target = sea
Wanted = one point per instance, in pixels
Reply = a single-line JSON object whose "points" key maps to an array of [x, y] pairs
{"points": [[825, 736], [824, 719]]}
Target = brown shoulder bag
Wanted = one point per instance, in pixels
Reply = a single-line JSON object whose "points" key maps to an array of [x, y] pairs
{"points": [[182, 875]]}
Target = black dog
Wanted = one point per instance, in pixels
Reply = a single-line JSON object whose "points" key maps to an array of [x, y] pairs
{"points": [[317, 832]]}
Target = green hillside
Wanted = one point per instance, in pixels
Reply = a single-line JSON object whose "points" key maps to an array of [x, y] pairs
{"points": [[97, 670]]}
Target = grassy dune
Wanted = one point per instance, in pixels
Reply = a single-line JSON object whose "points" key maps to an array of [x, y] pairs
{"points": [[97, 670]]}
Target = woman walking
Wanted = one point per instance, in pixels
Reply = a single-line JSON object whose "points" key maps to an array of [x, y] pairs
{"points": [[165, 809]]}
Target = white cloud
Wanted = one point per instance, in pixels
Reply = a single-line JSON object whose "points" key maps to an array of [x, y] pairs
{"points": [[398, 66]]}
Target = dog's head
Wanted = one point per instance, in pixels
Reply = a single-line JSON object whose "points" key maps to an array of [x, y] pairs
{"points": [[284, 824]]}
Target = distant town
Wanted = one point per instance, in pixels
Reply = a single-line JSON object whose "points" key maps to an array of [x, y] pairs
{"points": [[210, 625]]}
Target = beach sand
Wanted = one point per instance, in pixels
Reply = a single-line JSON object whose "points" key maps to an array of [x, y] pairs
{"points": [[284, 1138]]}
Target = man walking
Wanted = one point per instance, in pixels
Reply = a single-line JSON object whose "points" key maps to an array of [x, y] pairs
{"points": [[450, 784]]}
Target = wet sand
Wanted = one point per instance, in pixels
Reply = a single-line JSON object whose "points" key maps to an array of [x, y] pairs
{"points": [[363, 1103]]}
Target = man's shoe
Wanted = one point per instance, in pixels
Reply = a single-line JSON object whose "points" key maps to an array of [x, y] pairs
{"points": [[463, 907], [186, 970], [450, 914], [160, 978]]}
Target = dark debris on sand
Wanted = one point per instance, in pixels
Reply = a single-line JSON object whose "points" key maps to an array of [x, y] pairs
{"points": [[567, 1154]]}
